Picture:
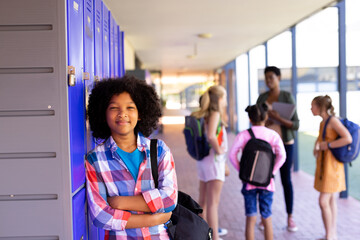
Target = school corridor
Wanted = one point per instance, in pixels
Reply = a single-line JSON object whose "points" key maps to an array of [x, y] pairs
{"points": [[231, 211]]}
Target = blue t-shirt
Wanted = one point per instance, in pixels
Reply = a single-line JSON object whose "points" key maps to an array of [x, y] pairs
{"points": [[132, 160]]}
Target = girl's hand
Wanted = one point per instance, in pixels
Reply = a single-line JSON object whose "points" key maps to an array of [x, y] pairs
{"points": [[316, 150], [222, 151], [227, 170], [161, 218], [113, 202], [323, 146]]}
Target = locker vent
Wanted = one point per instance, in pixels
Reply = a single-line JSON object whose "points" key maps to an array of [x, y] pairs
{"points": [[22, 155], [27, 113], [28, 197], [31, 238], [37, 27], [26, 70]]}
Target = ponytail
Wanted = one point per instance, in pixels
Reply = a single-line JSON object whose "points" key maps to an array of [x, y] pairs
{"points": [[325, 104], [204, 105], [257, 113], [209, 102]]}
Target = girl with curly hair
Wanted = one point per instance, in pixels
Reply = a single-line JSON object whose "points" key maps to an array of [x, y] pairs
{"points": [[121, 192]]}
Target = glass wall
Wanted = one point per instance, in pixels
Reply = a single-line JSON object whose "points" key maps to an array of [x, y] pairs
{"points": [[317, 60], [243, 94], [353, 80], [257, 65], [279, 55]]}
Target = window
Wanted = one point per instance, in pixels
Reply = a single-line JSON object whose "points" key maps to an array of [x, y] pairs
{"points": [[280, 55], [257, 66]]}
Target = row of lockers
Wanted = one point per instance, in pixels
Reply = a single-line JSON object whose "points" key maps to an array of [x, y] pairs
{"points": [[95, 51], [53, 51]]}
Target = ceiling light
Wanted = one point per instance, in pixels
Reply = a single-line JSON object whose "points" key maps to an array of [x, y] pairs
{"points": [[191, 56], [205, 35]]}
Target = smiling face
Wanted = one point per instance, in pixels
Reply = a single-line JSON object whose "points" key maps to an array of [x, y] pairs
{"points": [[272, 80], [122, 115]]}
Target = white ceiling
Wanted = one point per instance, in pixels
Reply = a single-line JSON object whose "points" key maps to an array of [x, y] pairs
{"points": [[163, 32]]}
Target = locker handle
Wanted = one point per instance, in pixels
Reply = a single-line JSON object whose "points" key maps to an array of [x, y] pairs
{"points": [[71, 76], [86, 76], [96, 78]]}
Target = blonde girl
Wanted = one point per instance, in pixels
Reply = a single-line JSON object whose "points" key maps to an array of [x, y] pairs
{"points": [[211, 170]]}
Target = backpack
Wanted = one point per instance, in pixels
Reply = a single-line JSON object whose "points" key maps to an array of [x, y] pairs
{"points": [[257, 162], [347, 153], [185, 223], [196, 142]]}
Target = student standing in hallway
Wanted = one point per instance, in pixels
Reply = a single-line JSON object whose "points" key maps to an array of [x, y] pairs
{"points": [[286, 129], [258, 116], [211, 169], [329, 174], [121, 193]]}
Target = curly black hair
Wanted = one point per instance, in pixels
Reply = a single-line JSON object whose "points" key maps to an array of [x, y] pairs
{"points": [[144, 96]]}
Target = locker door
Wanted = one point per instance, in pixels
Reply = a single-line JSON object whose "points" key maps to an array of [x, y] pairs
{"points": [[88, 61], [106, 42], [98, 22], [112, 45], [76, 93], [116, 50], [79, 218], [121, 56]]}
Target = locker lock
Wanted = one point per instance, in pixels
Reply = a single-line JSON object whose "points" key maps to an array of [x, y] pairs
{"points": [[71, 76], [96, 78], [82, 238], [86, 76]]}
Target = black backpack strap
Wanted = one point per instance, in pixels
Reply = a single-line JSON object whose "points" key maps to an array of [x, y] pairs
{"points": [[153, 159], [251, 133]]}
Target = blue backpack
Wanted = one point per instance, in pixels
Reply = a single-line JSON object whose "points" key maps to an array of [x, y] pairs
{"points": [[347, 153], [196, 142]]}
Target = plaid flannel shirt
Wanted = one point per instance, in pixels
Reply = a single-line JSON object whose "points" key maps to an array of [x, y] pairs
{"points": [[107, 175]]}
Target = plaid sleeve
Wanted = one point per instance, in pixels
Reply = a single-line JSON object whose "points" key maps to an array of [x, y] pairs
{"points": [[164, 198], [101, 213]]}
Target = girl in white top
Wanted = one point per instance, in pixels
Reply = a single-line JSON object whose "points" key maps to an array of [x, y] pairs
{"points": [[211, 169]]}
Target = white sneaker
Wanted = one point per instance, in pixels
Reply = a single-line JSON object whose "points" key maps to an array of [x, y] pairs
{"points": [[222, 231], [261, 226], [292, 226]]}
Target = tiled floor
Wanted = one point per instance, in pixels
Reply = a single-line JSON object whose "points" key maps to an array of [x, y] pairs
{"points": [[231, 213]]}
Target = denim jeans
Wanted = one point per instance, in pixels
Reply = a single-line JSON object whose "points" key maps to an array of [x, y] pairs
{"points": [[265, 201]]}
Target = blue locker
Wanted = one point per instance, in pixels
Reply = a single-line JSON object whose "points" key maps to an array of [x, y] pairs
{"points": [[88, 61], [79, 218], [106, 42], [89, 39], [112, 45], [116, 50], [76, 93], [98, 38], [122, 54]]}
